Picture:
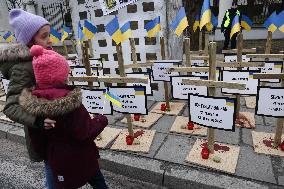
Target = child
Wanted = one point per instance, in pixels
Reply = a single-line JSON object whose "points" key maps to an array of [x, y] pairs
{"points": [[71, 150], [16, 66]]}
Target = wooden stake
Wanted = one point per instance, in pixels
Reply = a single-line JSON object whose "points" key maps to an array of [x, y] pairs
{"points": [[122, 74], [268, 43], [65, 49], [212, 91], [163, 54], [91, 53], [239, 59], [87, 62], [133, 54], [206, 42], [200, 42], [187, 52]]}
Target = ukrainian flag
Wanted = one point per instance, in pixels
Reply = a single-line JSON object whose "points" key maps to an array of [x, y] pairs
{"points": [[8, 37], [114, 99], [196, 23], [280, 21], [213, 23], [1, 38], [205, 14], [114, 31], [230, 102], [153, 27], [236, 27], [139, 91], [55, 37], [126, 31], [180, 23], [270, 22], [65, 32], [80, 33], [251, 75], [246, 23], [89, 30]]}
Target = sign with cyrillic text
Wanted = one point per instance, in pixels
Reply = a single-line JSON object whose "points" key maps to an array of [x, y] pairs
{"points": [[81, 71], [142, 76], [160, 72]]}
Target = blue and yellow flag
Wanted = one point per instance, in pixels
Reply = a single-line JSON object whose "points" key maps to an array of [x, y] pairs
{"points": [[196, 23], [230, 102], [153, 27], [139, 91], [8, 37], [126, 31], [270, 22], [65, 31], [55, 37], [114, 31], [213, 23], [113, 98], [236, 26], [180, 22], [1, 38], [80, 33], [89, 30], [205, 14], [280, 21], [246, 23]]}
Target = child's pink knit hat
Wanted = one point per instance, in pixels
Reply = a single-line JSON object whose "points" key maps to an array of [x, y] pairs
{"points": [[50, 68]]}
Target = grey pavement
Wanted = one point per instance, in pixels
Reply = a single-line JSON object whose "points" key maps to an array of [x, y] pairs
{"points": [[165, 164]]}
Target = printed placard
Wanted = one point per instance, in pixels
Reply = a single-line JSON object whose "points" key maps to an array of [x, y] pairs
{"points": [[133, 99], [97, 63], [159, 70], [215, 112], [233, 59], [180, 91], [270, 67], [270, 102], [95, 102], [206, 74], [109, 6], [242, 77], [81, 71], [5, 84], [142, 75]]}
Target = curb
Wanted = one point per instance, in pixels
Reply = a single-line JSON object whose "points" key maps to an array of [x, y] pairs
{"points": [[155, 171]]}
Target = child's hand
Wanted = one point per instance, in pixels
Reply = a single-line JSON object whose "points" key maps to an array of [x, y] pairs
{"points": [[49, 124]]}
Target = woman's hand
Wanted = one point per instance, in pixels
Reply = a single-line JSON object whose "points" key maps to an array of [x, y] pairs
{"points": [[49, 124]]}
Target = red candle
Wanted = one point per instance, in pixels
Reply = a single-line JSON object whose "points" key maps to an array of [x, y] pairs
{"points": [[282, 146], [136, 117], [163, 107], [129, 140], [190, 125], [205, 153]]}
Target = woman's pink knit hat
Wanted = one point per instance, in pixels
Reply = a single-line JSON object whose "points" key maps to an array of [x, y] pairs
{"points": [[50, 68]]}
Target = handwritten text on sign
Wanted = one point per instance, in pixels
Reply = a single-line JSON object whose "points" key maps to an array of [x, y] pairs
{"points": [[95, 102], [212, 112], [181, 91], [81, 72], [160, 72], [233, 59], [273, 67], [109, 6], [270, 102], [242, 77], [142, 76], [133, 99]]}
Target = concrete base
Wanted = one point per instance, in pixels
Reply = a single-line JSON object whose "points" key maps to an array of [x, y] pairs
{"points": [[228, 155], [177, 127], [250, 102], [5, 118], [150, 120], [176, 108], [262, 143], [144, 146], [107, 136]]}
